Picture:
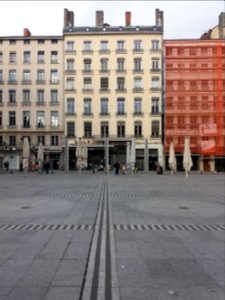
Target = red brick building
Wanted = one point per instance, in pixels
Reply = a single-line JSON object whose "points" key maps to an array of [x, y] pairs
{"points": [[195, 101]]}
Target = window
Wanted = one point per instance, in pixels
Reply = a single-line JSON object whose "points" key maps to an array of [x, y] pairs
{"points": [[137, 64], [26, 75], [120, 83], [120, 129], [137, 106], [41, 140], [40, 97], [137, 45], [120, 106], [12, 57], [155, 128], [1, 76], [87, 106], [1, 97], [70, 129], [155, 105], [120, 45], [70, 64], [87, 83], [87, 45], [54, 140], [137, 129], [0, 120], [26, 42], [70, 106], [155, 84], [87, 65], [137, 83], [70, 46], [26, 57], [70, 84], [12, 42], [155, 63], [12, 141], [54, 76], [104, 64], [54, 96], [87, 129], [41, 57], [104, 45], [41, 41], [54, 41], [104, 106], [40, 75], [26, 96], [1, 57], [12, 96], [12, 75], [155, 45], [26, 119], [120, 64], [104, 129], [104, 83], [54, 56], [40, 119], [54, 119], [12, 118]]}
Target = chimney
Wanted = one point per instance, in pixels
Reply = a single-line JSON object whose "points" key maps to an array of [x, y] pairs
{"points": [[158, 17], [68, 18], [128, 18], [99, 18], [26, 32]]}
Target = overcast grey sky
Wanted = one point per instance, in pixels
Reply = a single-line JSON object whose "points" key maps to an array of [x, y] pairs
{"points": [[182, 19]]}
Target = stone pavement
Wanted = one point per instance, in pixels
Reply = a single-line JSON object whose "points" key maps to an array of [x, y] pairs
{"points": [[142, 237]]}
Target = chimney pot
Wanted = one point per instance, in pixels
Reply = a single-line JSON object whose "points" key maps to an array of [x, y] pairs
{"points": [[26, 32], [99, 18], [128, 18]]}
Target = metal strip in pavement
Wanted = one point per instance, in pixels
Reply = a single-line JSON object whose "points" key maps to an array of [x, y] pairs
{"points": [[54, 227], [168, 227]]}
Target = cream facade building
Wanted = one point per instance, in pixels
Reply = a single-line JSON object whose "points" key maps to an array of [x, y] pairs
{"points": [[103, 84], [31, 97], [113, 90]]}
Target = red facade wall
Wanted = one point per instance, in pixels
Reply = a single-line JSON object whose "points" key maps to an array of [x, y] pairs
{"points": [[195, 95]]}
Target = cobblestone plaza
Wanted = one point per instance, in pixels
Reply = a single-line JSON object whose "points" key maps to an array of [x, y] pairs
{"points": [[67, 236]]}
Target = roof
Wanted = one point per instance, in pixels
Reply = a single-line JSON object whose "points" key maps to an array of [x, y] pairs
{"points": [[113, 29], [38, 37]]}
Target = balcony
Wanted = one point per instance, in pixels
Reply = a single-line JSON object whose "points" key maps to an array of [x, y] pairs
{"points": [[121, 51], [12, 82], [138, 50], [121, 90], [26, 103], [70, 72], [138, 114], [26, 82], [54, 81], [87, 91], [12, 103], [125, 138], [89, 72], [155, 89], [138, 90], [104, 51], [40, 103], [104, 90], [40, 81]]}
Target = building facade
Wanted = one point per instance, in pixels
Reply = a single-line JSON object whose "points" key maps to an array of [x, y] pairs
{"points": [[31, 97], [113, 90], [195, 101]]}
